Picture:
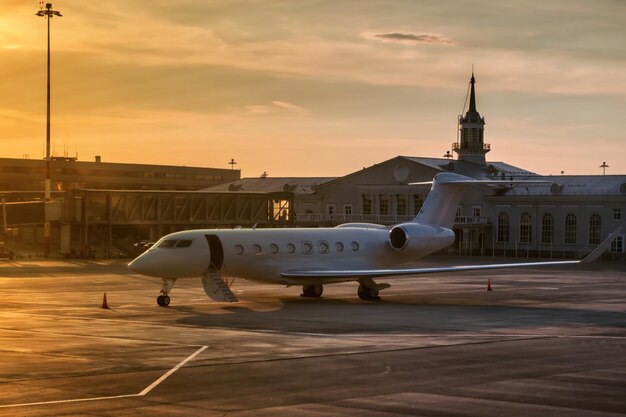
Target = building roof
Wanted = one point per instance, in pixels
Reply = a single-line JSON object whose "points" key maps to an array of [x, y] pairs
{"points": [[492, 170], [574, 185], [470, 169], [296, 185]]}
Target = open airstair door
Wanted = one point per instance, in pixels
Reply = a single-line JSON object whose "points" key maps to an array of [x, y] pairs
{"points": [[217, 252], [213, 284]]}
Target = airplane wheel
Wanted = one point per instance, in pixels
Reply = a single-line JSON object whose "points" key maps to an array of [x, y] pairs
{"points": [[312, 291], [163, 300], [367, 294]]}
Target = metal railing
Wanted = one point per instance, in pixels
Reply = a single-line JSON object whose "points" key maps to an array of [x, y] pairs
{"points": [[352, 218], [470, 220], [377, 218]]}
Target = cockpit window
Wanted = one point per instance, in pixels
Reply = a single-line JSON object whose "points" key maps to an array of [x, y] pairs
{"points": [[170, 243], [185, 243]]}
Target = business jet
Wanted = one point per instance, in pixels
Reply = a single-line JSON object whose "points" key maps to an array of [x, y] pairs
{"points": [[314, 257]]}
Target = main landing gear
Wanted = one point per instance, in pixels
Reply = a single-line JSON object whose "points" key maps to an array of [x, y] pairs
{"points": [[312, 291], [368, 289], [164, 299], [367, 294]]}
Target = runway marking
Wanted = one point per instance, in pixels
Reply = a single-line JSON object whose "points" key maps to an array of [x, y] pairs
{"points": [[115, 397], [171, 371]]}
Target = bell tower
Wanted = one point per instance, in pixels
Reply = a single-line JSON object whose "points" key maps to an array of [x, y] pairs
{"points": [[470, 146]]}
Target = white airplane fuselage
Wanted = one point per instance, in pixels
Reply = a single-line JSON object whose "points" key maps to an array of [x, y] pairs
{"points": [[263, 254]]}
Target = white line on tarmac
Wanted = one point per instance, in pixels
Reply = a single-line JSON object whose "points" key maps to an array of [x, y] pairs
{"points": [[114, 397], [171, 371]]}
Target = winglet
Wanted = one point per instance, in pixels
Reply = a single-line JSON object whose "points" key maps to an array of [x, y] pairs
{"points": [[597, 252]]}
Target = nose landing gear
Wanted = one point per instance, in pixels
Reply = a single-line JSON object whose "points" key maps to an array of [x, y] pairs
{"points": [[163, 300]]}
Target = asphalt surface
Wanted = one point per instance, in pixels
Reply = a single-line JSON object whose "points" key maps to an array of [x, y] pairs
{"points": [[543, 342]]}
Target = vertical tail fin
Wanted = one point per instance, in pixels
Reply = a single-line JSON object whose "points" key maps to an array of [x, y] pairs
{"points": [[442, 202]]}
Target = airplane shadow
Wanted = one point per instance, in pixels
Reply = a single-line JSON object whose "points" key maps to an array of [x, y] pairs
{"points": [[420, 314]]}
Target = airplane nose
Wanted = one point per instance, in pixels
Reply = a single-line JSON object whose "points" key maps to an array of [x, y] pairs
{"points": [[142, 265]]}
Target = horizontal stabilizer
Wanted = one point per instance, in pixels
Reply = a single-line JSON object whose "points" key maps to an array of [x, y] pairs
{"points": [[602, 247]]}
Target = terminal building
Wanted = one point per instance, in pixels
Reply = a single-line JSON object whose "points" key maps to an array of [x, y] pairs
{"points": [[564, 217], [102, 208], [106, 208]]}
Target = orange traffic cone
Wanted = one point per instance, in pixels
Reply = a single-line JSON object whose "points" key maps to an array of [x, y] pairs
{"points": [[489, 285], [104, 301]]}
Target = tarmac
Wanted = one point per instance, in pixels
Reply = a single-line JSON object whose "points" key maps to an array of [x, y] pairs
{"points": [[543, 342]]}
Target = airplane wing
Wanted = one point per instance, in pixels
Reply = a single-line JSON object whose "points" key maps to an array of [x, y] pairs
{"points": [[373, 273]]}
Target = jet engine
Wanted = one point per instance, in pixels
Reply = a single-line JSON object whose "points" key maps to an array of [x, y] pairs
{"points": [[420, 238]]}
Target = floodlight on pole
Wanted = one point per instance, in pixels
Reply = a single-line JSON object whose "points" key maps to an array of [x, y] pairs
{"points": [[48, 13], [604, 166]]}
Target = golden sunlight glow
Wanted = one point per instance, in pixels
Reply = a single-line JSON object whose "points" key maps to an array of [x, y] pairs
{"points": [[300, 90]]}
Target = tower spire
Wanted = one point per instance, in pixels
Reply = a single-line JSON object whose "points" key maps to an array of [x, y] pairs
{"points": [[471, 146], [472, 106]]}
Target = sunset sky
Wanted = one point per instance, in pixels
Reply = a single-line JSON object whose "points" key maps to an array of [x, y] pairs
{"points": [[316, 88]]}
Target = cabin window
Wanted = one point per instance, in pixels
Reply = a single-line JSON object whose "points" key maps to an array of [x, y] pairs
{"points": [[339, 246], [322, 246], [354, 246], [274, 248], [256, 248], [307, 248], [185, 243], [291, 248], [170, 243], [238, 249]]}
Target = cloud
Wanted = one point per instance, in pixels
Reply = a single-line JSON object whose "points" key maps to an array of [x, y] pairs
{"points": [[277, 106], [412, 38]]}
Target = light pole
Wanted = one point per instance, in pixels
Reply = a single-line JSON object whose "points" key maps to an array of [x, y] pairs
{"points": [[48, 13], [604, 166]]}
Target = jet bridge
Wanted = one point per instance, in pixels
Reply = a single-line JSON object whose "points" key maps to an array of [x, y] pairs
{"points": [[120, 218]]}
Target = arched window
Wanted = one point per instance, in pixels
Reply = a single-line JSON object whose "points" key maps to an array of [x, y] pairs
{"points": [[595, 229], [547, 228], [503, 228], [525, 228], [570, 229]]}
